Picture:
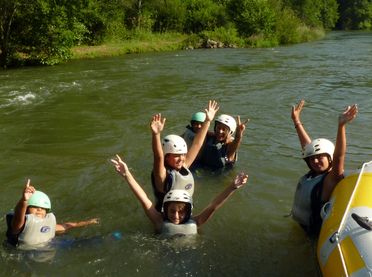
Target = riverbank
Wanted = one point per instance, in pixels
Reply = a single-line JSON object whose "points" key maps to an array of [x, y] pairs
{"points": [[140, 44], [152, 42]]}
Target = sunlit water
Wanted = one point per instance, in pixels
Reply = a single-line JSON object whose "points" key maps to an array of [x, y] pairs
{"points": [[60, 126]]}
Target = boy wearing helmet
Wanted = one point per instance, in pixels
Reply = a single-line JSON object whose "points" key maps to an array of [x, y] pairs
{"points": [[193, 128], [326, 164], [172, 159], [220, 148], [176, 217], [32, 224]]}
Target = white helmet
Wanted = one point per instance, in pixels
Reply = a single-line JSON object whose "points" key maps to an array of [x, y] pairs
{"points": [[227, 120], [173, 144], [318, 146], [178, 195]]}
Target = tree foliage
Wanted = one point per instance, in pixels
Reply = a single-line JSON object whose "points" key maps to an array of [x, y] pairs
{"points": [[43, 31], [253, 17], [355, 15]]}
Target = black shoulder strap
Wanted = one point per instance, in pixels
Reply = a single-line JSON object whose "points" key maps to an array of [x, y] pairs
{"points": [[316, 206]]}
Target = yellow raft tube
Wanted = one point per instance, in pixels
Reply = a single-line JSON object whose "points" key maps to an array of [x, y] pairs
{"points": [[344, 245]]}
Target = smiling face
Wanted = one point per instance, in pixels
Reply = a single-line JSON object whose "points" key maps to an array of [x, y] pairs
{"points": [[319, 163], [196, 126], [176, 212], [222, 131], [39, 212], [175, 161]]}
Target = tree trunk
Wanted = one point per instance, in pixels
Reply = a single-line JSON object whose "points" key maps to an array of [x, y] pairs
{"points": [[7, 12]]}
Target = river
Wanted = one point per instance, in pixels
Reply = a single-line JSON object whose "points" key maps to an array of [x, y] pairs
{"points": [[60, 126]]}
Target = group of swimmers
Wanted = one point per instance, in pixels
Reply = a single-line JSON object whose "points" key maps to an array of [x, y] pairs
{"points": [[174, 159]]}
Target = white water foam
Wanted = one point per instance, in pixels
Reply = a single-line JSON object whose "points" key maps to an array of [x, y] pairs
{"points": [[16, 98]]}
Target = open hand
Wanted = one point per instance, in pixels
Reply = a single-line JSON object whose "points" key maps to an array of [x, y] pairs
{"points": [[212, 109], [296, 111], [348, 115], [157, 124]]}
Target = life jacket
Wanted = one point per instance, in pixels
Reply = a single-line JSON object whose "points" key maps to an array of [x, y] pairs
{"points": [[171, 229], [37, 231], [188, 136], [214, 154], [175, 179], [307, 202]]}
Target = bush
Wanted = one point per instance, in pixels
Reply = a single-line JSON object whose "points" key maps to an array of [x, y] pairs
{"points": [[228, 36], [204, 15]]}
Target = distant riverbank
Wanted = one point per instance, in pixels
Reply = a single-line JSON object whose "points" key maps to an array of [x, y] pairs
{"points": [[153, 43], [149, 42]]}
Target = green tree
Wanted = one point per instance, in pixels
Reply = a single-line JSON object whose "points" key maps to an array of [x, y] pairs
{"points": [[316, 13], [253, 17], [139, 14], [104, 20], [355, 15], [7, 13], [169, 15], [204, 15], [40, 31]]}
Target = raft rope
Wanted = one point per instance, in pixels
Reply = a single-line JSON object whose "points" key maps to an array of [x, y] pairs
{"points": [[337, 234]]}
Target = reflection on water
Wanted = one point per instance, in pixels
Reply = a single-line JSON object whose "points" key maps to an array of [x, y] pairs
{"points": [[61, 125]]}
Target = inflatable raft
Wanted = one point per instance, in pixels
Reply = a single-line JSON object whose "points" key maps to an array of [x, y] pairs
{"points": [[345, 241]]}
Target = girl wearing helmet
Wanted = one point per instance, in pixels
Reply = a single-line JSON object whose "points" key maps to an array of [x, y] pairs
{"points": [[326, 164], [33, 224], [220, 148], [172, 159], [176, 217]]}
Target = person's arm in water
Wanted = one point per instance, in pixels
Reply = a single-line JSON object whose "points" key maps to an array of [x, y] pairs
{"points": [[207, 213], [232, 147], [337, 172], [20, 210], [122, 168], [159, 170], [296, 118], [64, 227], [199, 138]]}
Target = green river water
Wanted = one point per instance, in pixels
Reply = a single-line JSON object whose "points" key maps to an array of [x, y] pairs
{"points": [[59, 126]]}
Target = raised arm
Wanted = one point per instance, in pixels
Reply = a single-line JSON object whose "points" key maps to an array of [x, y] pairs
{"points": [[21, 208], [301, 132], [159, 171], [62, 228], [122, 168], [238, 182], [338, 162], [198, 141], [232, 147]]}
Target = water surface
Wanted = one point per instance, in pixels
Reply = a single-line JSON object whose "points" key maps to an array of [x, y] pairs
{"points": [[60, 126]]}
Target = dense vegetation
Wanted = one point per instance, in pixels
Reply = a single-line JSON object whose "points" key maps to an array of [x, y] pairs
{"points": [[45, 31]]}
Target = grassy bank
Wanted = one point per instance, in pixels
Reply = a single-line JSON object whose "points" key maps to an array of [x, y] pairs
{"points": [[138, 44], [152, 42]]}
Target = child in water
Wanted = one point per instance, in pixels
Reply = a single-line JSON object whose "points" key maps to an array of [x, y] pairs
{"points": [[220, 148], [326, 164], [172, 159], [193, 128], [176, 217], [33, 224]]}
